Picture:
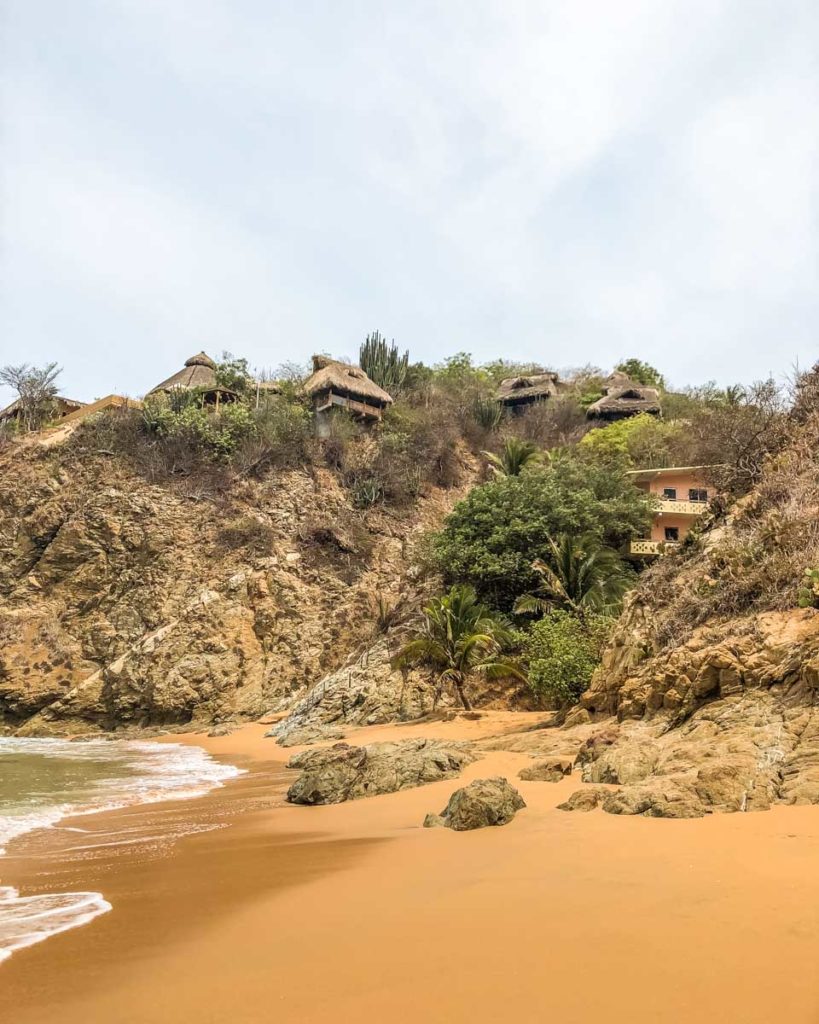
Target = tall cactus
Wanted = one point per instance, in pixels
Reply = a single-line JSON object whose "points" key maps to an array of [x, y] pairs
{"points": [[382, 362]]}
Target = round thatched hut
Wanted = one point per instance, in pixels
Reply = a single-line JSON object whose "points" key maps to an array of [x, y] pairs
{"points": [[198, 374]]}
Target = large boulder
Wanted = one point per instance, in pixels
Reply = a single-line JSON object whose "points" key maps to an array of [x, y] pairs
{"points": [[481, 803], [331, 775]]}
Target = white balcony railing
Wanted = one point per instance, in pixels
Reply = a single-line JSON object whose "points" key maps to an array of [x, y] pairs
{"points": [[682, 508], [652, 547]]}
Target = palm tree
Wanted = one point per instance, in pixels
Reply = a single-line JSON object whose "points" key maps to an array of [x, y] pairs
{"points": [[516, 455], [584, 575], [460, 637]]}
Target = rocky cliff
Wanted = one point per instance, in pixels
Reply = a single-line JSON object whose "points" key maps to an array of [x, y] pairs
{"points": [[126, 603], [709, 691]]}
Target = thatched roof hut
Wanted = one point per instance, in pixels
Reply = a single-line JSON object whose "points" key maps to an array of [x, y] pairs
{"points": [[62, 407], [622, 397], [198, 374], [336, 384], [516, 392]]}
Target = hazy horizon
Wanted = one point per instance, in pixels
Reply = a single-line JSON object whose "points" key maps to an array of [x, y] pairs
{"points": [[561, 183]]}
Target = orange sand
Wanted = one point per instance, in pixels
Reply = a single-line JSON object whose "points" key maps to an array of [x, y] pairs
{"points": [[355, 913]]}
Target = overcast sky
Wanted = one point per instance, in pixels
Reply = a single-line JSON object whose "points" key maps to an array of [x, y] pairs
{"points": [[566, 181]]}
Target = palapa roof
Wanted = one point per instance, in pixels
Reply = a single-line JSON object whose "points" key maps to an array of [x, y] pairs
{"points": [[66, 406], [198, 372], [623, 397], [528, 387], [332, 375]]}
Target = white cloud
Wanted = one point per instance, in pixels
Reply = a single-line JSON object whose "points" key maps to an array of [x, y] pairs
{"points": [[568, 182]]}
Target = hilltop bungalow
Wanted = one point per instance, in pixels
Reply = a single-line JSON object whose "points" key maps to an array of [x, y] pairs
{"points": [[198, 374], [516, 393], [682, 495], [62, 407], [340, 385], [622, 398]]}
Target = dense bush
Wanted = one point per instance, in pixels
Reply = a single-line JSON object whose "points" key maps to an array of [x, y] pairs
{"points": [[282, 438], [494, 535], [555, 423], [216, 434], [562, 651], [644, 441]]}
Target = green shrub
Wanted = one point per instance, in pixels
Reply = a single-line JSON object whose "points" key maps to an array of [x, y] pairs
{"points": [[486, 412], [808, 594], [642, 440], [493, 536], [562, 651], [182, 416], [282, 438]]}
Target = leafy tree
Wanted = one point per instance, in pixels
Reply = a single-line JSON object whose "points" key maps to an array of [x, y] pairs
{"points": [[36, 391], [459, 373], [735, 437], [493, 536], [642, 440], [562, 652], [582, 575], [515, 456], [642, 373], [383, 363], [460, 637], [233, 374]]}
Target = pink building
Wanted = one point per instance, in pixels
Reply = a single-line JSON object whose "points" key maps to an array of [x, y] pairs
{"points": [[683, 496]]}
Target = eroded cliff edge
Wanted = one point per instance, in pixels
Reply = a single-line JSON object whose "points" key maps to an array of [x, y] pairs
{"points": [[126, 603]]}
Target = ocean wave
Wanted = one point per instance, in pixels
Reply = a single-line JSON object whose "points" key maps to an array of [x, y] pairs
{"points": [[159, 771], [142, 772], [26, 920]]}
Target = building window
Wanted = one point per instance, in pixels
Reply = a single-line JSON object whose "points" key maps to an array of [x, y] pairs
{"points": [[670, 493], [698, 494], [672, 533]]}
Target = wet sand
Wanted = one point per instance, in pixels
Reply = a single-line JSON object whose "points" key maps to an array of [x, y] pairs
{"points": [[356, 913]]}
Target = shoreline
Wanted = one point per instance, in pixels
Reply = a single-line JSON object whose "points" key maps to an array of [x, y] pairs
{"points": [[265, 910]]}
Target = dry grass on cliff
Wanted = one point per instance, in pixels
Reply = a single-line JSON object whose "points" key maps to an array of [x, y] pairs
{"points": [[756, 559]]}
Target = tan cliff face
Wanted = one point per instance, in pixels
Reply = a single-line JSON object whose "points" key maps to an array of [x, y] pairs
{"points": [[126, 603]]}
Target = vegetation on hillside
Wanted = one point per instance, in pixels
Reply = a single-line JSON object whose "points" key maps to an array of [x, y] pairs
{"points": [[539, 536], [36, 389], [493, 538], [460, 637]]}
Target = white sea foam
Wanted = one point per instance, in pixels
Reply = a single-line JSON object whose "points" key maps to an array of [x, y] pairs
{"points": [[26, 920], [141, 773]]}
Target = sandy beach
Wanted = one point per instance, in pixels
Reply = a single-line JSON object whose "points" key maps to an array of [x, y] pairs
{"points": [[238, 907]]}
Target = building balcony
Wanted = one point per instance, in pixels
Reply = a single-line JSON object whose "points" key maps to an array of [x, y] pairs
{"points": [[652, 547], [681, 508]]}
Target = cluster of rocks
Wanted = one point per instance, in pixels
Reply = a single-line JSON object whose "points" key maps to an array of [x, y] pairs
{"points": [[331, 775]]}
